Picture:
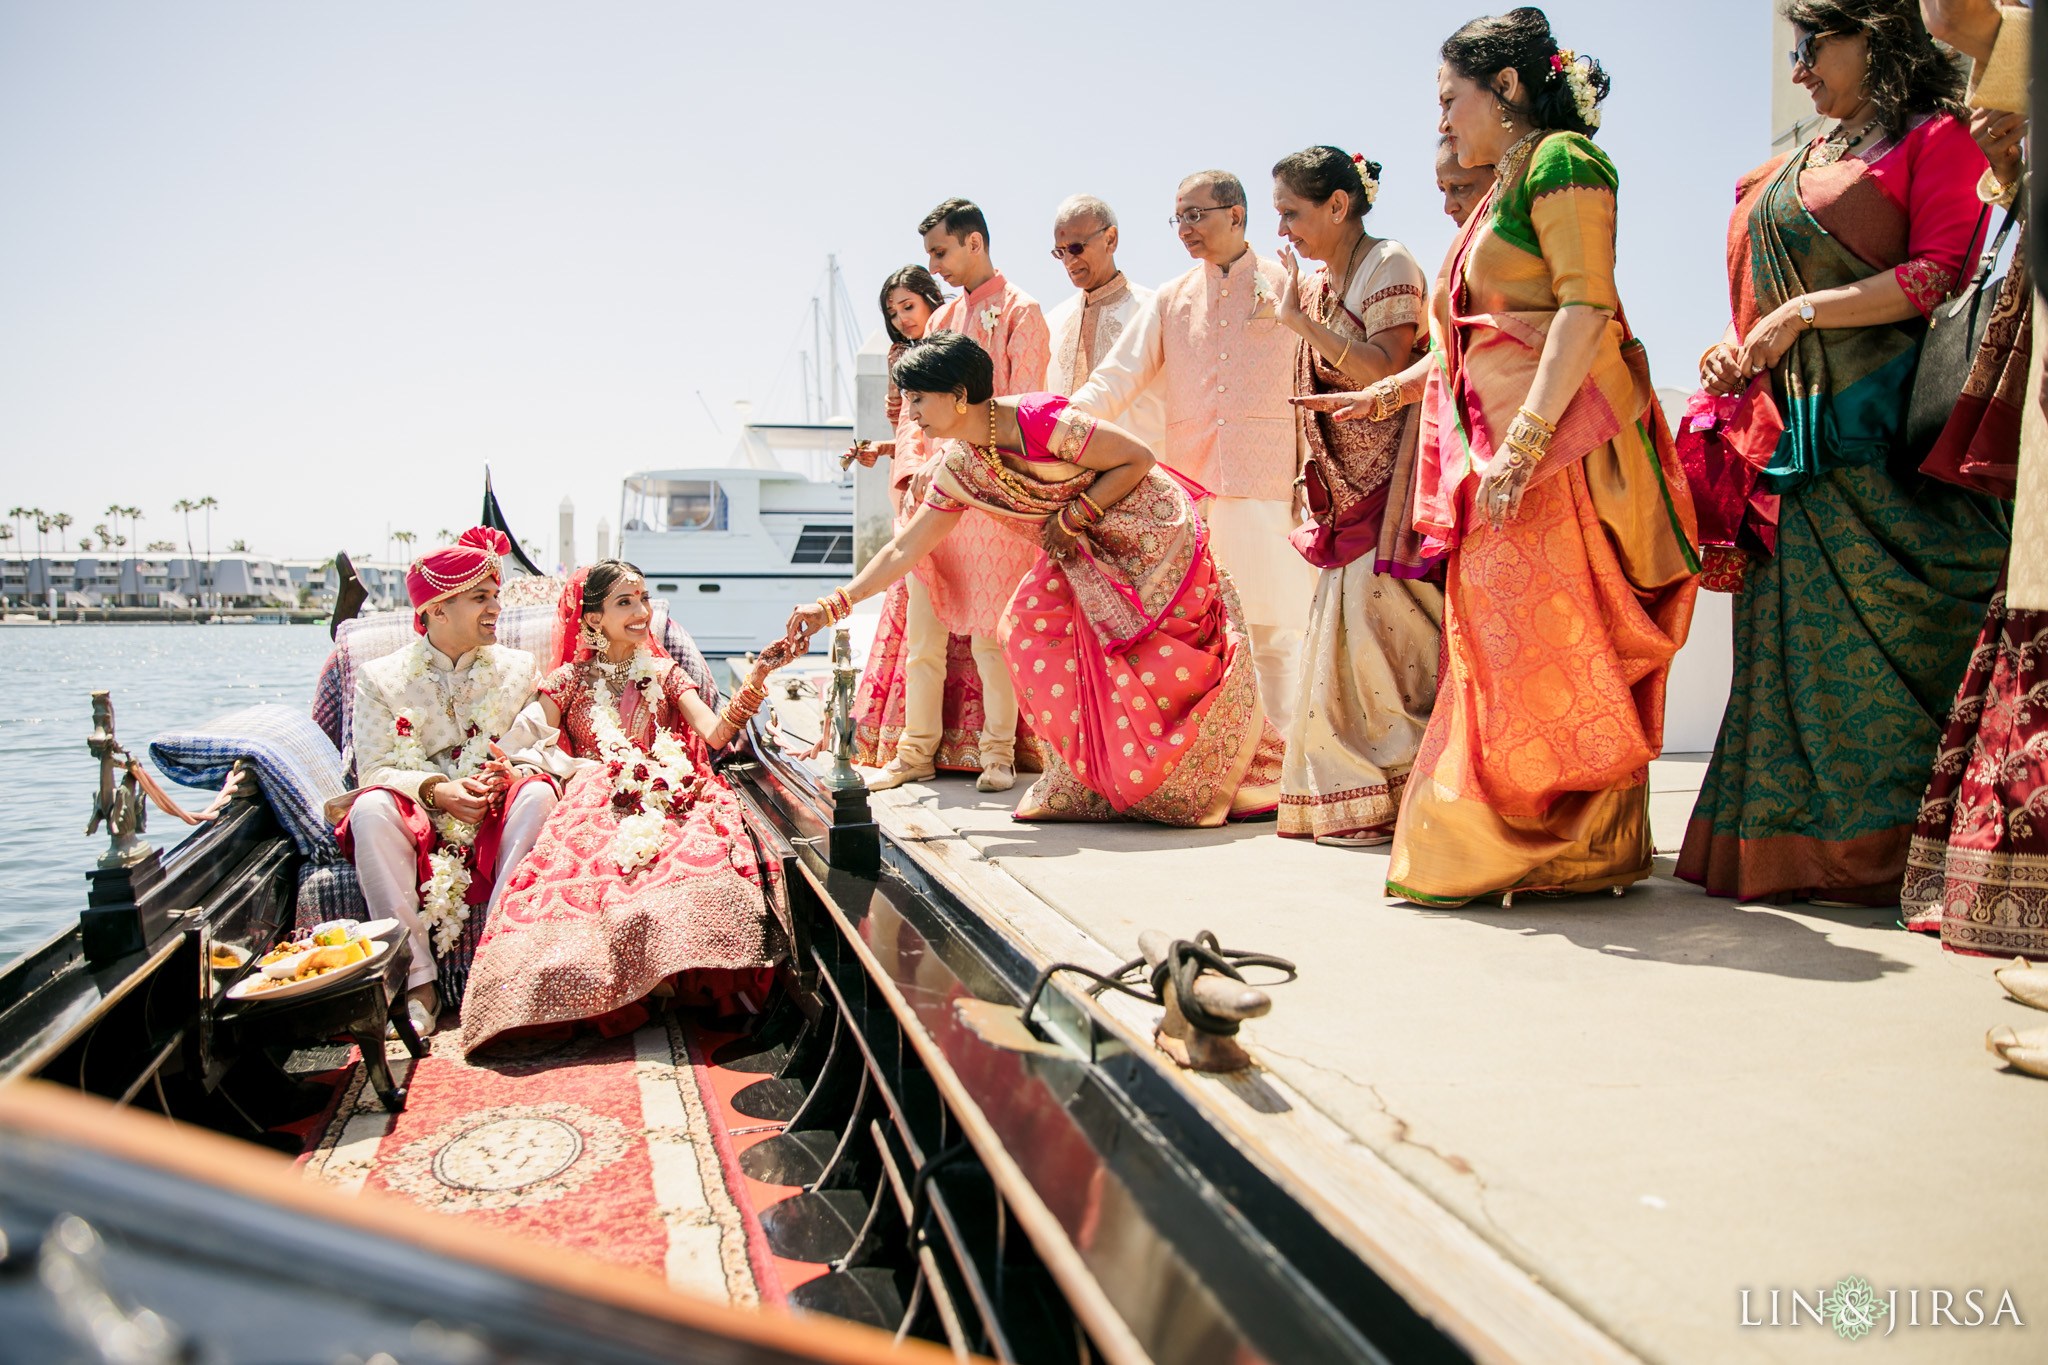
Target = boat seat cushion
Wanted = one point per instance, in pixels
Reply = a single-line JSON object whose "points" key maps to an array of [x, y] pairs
{"points": [[295, 763]]}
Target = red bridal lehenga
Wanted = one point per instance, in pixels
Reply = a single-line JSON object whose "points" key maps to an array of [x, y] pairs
{"points": [[575, 939]]}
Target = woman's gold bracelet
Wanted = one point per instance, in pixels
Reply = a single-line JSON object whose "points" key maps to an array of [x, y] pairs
{"points": [[836, 604], [1338, 363], [1547, 428]]}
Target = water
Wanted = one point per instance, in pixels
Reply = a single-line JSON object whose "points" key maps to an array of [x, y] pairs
{"points": [[165, 677]]}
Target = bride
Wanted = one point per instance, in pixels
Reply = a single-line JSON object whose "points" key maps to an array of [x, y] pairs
{"points": [[644, 872]]}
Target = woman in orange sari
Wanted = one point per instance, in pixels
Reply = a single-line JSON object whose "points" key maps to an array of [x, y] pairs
{"points": [[1547, 476], [1124, 640]]}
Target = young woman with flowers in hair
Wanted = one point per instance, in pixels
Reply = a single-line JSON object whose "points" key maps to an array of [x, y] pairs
{"points": [[921, 707], [644, 873], [1547, 479]]}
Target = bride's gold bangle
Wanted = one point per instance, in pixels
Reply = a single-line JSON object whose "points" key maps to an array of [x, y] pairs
{"points": [[1547, 428]]}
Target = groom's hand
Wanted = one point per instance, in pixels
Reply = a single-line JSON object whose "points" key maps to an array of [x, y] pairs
{"points": [[467, 800]]}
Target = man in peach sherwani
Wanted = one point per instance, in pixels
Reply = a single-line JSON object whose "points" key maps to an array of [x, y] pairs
{"points": [[963, 585], [1211, 341]]}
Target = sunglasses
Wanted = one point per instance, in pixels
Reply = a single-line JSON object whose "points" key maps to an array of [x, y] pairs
{"points": [[1802, 52], [1062, 250]]}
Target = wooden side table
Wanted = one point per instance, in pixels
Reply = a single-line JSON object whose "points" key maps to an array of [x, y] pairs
{"points": [[358, 1008]]}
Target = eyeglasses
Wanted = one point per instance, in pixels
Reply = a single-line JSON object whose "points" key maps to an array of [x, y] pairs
{"points": [[1193, 217], [1062, 250], [1802, 51]]}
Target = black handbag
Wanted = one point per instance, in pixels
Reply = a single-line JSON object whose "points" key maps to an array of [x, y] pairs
{"points": [[1955, 330]]}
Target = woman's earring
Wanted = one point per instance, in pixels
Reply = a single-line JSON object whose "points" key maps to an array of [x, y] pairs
{"points": [[960, 406], [1505, 120], [593, 639]]}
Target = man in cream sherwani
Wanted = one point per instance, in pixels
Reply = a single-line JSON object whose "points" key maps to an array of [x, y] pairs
{"points": [[448, 754], [1086, 326], [1211, 341]]}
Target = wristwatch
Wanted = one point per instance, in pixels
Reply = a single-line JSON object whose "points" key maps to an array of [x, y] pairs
{"points": [[1806, 310]]}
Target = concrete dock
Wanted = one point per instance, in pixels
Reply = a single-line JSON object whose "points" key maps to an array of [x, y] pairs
{"points": [[1581, 1129]]}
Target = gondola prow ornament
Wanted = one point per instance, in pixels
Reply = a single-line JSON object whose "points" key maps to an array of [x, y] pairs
{"points": [[120, 804]]}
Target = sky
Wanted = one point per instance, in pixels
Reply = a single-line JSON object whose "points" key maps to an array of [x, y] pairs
{"points": [[323, 262]]}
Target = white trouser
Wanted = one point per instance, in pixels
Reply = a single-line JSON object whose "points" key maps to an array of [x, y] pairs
{"points": [[388, 865], [924, 688], [1275, 586]]}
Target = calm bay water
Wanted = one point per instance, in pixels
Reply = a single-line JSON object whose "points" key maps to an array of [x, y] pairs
{"points": [[163, 677]]}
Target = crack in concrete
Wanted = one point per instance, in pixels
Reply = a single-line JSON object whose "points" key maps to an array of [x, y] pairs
{"points": [[1403, 1133]]}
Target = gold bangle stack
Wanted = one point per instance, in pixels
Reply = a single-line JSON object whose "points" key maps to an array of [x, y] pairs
{"points": [[1094, 507], [837, 605], [743, 705], [1386, 399], [1528, 439]]}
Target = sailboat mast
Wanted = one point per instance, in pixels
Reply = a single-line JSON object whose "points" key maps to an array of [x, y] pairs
{"points": [[818, 359], [832, 327]]}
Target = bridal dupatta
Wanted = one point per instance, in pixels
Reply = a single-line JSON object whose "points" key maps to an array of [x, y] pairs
{"points": [[1130, 656]]}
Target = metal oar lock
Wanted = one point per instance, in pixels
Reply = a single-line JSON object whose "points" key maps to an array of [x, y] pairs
{"points": [[1198, 982]]}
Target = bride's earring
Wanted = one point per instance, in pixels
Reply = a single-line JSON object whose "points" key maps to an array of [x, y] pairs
{"points": [[593, 639], [1505, 120], [960, 406]]}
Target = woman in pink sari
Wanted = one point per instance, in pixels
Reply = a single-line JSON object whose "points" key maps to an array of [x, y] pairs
{"points": [[1124, 640], [643, 881]]}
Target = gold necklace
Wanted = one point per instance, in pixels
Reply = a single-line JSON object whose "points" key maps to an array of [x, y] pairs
{"points": [[1017, 487], [1511, 160]]}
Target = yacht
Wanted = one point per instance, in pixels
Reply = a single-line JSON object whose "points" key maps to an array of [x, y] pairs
{"points": [[732, 547]]}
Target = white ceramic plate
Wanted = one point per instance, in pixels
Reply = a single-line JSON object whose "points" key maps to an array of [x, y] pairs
{"points": [[292, 990]]}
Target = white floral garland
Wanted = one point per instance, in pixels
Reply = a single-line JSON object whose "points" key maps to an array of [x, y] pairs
{"points": [[444, 903], [648, 787]]}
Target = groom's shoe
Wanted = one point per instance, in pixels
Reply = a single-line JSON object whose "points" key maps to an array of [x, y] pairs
{"points": [[996, 777], [896, 772], [422, 1009]]}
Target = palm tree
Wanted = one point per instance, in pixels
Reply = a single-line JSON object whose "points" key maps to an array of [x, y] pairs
{"points": [[62, 521], [447, 536], [18, 514], [238, 546], [106, 536], [134, 514], [405, 541]]}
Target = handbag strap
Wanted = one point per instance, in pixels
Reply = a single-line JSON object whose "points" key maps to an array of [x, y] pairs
{"points": [[1987, 260]]}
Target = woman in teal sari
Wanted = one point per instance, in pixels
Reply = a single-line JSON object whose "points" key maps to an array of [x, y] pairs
{"points": [[1859, 586]]}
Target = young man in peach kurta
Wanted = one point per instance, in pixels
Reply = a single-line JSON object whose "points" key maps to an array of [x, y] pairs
{"points": [[963, 585], [1212, 341]]}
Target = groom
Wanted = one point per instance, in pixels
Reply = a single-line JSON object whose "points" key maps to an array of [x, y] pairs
{"points": [[445, 812]]}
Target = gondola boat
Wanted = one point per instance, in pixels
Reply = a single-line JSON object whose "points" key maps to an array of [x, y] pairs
{"points": [[945, 1167]]}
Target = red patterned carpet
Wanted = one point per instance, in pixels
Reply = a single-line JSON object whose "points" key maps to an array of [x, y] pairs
{"points": [[623, 1149]]}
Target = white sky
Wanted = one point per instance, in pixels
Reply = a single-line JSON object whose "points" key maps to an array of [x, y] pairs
{"points": [[322, 262]]}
